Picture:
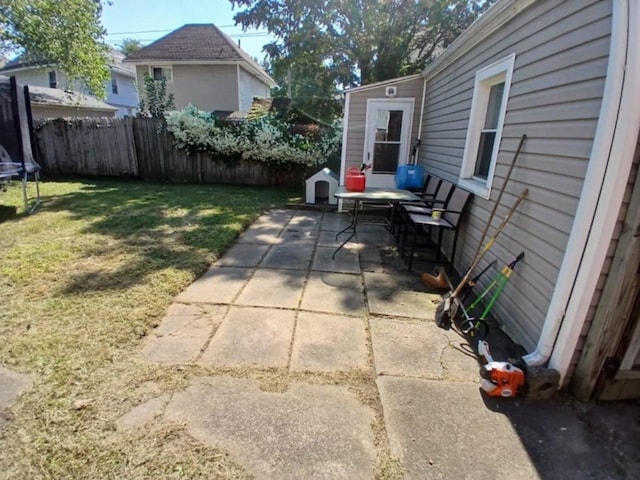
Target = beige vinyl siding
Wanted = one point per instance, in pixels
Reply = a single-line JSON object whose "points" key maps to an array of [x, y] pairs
{"points": [[250, 87], [556, 94], [356, 123], [209, 87]]}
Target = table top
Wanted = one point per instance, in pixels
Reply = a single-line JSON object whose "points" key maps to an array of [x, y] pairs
{"points": [[376, 193]]}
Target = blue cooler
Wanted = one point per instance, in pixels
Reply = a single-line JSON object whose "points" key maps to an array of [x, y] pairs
{"points": [[409, 177]]}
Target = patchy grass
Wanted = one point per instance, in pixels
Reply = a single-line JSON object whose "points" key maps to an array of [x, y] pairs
{"points": [[82, 280]]}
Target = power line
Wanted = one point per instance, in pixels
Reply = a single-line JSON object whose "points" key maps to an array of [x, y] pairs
{"points": [[159, 31]]}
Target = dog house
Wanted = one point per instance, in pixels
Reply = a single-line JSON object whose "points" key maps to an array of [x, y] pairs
{"points": [[321, 187]]}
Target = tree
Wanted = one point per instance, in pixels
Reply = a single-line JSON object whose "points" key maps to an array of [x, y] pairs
{"points": [[67, 33], [355, 42], [129, 46], [154, 102]]}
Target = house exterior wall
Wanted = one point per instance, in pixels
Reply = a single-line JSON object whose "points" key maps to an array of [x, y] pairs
{"points": [[39, 77], [560, 66], [251, 87], [209, 87], [357, 116], [126, 100]]}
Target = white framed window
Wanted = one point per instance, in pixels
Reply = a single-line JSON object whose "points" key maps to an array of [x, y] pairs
{"points": [[488, 108], [158, 72], [53, 82], [114, 84]]}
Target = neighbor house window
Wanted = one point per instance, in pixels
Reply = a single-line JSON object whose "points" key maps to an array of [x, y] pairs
{"points": [[114, 84], [158, 73], [490, 96], [53, 83]]}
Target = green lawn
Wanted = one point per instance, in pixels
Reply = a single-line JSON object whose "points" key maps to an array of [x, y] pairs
{"points": [[82, 281]]}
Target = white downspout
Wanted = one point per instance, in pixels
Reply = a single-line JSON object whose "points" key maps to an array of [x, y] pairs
{"points": [[343, 154], [602, 193]]}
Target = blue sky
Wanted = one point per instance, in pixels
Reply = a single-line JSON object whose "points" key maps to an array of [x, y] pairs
{"points": [[148, 20]]}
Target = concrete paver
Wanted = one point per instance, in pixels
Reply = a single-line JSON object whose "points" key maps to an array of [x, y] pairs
{"points": [[252, 336], [295, 235], [273, 288], [12, 384], [142, 414], [280, 300], [327, 238], [309, 431], [243, 255], [291, 255], [180, 338], [407, 348], [329, 343], [334, 292], [217, 285], [308, 219], [334, 222], [399, 295], [346, 260], [443, 430], [266, 233]]}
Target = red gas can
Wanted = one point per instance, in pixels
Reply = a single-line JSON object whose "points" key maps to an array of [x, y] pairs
{"points": [[356, 180]]}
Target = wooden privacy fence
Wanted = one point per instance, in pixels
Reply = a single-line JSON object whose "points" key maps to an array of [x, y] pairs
{"points": [[139, 147]]}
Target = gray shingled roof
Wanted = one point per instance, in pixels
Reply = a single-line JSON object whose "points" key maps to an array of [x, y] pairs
{"points": [[195, 42], [62, 98], [115, 59], [190, 42]]}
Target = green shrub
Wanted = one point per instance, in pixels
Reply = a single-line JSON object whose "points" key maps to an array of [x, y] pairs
{"points": [[264, 139]]}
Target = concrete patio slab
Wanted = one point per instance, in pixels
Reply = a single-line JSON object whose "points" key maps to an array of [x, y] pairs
{"points": [[217, 285], [181, 335], [273, 288], [12, 385], [142, 414], [327, 239], [334, 221], [295, 235], [346, 260], [460, 361], [334, 292], [296, 256], [265, 233], [310, 431], [306, 220], [407, 348], [252, 336], [243, 255], [399, 295], [444, 430], [329, 343], [276, 216]]}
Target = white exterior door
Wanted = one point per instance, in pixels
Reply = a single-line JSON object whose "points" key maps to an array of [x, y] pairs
{"points": [[387, 139]]}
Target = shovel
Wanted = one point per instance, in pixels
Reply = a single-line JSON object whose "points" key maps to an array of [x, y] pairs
{"points": [[448, 307]]}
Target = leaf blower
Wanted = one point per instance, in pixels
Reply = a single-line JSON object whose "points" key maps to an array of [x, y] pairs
{"points": [[499, 379]]}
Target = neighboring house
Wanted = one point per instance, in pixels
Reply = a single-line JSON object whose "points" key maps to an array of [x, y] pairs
{"points": [[204, 67], [55, 103], [120, 90], [566, 74]]}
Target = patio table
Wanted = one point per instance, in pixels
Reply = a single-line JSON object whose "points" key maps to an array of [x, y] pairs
{"points": [[370, 194]]}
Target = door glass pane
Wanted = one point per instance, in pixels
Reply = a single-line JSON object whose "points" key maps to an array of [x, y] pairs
{"points": [[385, 157], [485, 151], [493, 107], [388, 125]]}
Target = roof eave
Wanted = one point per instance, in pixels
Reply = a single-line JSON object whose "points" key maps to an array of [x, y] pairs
{"points": [[493, 19]]}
